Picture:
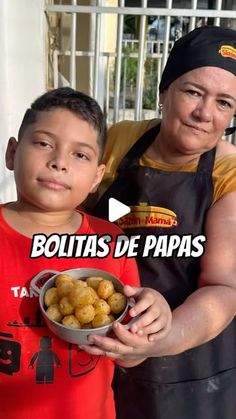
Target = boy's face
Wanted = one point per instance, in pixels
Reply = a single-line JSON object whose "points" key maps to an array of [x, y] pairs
{"points": [[56, 161]]}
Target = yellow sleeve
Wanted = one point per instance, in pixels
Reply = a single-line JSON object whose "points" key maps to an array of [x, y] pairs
{"points": [[121, 137], [224, 176]]}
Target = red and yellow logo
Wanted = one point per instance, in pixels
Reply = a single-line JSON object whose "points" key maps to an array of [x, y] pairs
{"points": [[228, 51], [148, 216]]}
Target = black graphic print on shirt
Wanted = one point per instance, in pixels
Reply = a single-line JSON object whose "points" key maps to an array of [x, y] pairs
{"points": [[45, 360], [80, 362], [10, 352]]}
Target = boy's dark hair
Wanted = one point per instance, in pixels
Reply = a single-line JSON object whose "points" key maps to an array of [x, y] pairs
{"points": [[77, 102]]}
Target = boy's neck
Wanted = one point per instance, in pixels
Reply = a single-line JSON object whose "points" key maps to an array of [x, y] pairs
{"points": [[28, 221]]}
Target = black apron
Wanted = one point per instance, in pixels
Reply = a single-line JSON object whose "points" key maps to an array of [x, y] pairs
{"points": [[199, 383]]}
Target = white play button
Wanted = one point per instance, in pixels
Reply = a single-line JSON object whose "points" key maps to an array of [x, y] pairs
{"points": [[116, 209]]}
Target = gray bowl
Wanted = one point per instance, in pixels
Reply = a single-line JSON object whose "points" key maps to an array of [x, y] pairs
{"points": [[78, 336]]}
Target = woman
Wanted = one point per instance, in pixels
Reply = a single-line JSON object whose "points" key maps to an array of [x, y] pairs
{"points": [[179, 178]]}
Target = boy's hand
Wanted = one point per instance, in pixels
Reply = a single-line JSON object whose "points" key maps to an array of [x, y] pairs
{"points": [[153, 310]]}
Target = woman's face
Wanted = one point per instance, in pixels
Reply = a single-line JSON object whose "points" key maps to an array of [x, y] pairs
{"points": [[197, 107]]}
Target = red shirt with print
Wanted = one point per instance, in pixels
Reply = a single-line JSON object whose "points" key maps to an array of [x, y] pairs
{"points": [[41, 376]]}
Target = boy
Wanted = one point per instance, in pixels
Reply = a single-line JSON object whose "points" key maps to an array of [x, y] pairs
{"points": [[56, 163]]}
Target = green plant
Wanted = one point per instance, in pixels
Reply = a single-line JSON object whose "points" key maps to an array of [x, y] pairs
{"points": [[150, 84], [129, 68]]}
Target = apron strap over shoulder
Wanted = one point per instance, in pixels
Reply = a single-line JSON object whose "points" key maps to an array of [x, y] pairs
{"points": [[139, 147], [206, 162]]}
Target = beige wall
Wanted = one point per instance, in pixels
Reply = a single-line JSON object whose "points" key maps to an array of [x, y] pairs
{"points": [[22, 72]]}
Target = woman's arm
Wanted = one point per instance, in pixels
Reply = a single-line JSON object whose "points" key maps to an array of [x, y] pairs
{"points": [[212, 307], [206, 312]]}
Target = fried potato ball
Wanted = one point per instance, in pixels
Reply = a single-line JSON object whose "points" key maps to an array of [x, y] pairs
{"points": [[86, 303], [54, 313], [51, 296], [117, 302], [82, 296], [64, 288], [63, 277], [93, 281], [65, 306], [101, 320], [80, 283], [85, 314], [105, 289], [101, 306], [71, 321]]}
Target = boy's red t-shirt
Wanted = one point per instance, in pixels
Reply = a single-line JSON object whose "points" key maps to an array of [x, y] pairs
{"points": [[41, 376]]}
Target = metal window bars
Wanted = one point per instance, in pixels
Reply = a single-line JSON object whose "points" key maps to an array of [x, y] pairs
{"points": [[123, 79]]}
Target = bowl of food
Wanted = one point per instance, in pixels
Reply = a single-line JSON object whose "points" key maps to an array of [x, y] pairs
{"points": [[80, 302]]}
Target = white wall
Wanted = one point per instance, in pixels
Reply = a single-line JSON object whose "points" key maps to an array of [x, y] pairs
{"points": [[22, 72]]}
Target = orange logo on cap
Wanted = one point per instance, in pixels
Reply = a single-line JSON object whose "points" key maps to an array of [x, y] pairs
{"points": [[228, 51]]}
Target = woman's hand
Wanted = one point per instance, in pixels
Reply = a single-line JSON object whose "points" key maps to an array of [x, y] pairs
{"points": [[132, 346]]}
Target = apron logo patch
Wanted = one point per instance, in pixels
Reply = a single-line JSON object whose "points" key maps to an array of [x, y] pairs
{"points": [[148, 216]]}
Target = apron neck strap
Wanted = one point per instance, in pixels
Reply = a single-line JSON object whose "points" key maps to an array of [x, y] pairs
{"points": [[139, 147], [206, 162]]}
